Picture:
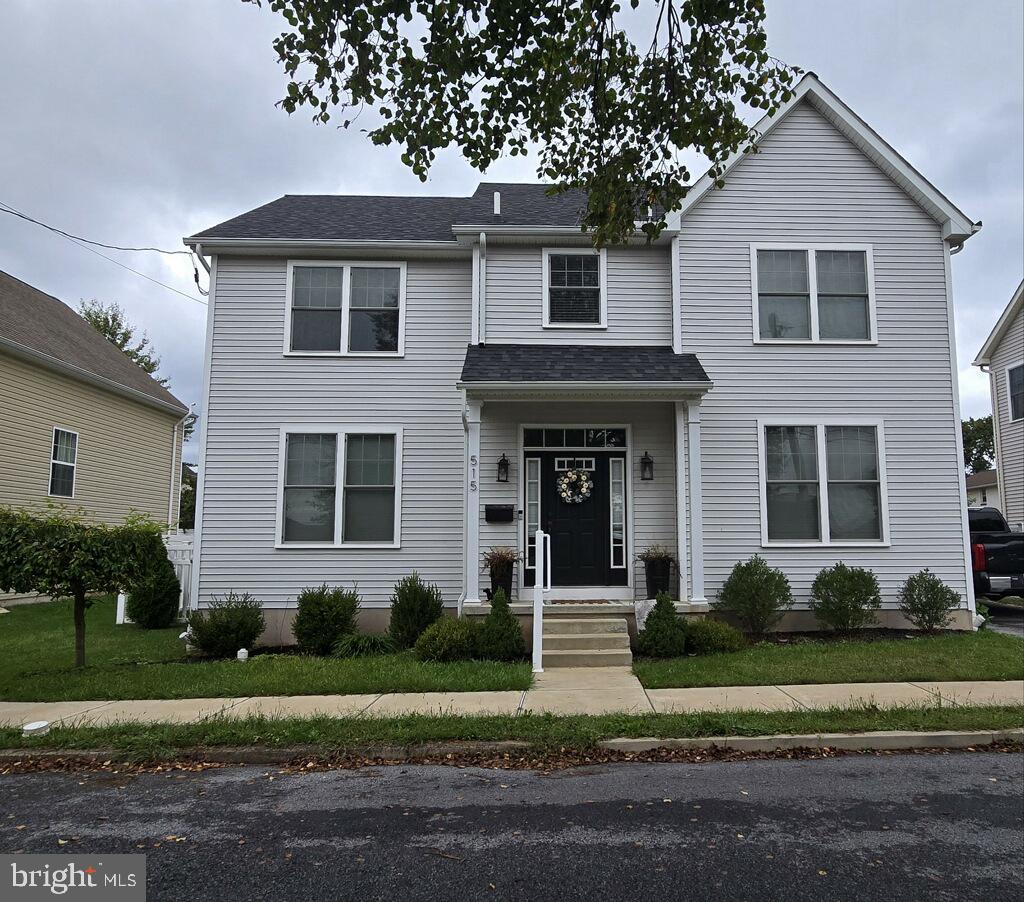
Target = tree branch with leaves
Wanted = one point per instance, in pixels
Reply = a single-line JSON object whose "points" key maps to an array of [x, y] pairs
{"points": [[502, 77]]}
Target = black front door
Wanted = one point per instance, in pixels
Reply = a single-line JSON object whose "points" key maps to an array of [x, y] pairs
{"points": [[580, 533]]}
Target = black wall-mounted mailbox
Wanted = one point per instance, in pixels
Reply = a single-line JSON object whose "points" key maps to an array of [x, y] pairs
{"points": [[499, 513]]}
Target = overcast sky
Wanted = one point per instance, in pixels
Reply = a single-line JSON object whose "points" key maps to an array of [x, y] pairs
{"points": [[137, 122]]}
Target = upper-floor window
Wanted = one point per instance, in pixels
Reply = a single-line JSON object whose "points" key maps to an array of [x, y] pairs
{"points": [[574, 289], [346, 308], [813, 294], [362, 507], [1015, 390], [63, 463], [822, 483]]}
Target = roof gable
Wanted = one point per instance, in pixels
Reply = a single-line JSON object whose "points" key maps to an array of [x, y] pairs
{"points": [[1005, 321], [39, 327], [956, 226]]}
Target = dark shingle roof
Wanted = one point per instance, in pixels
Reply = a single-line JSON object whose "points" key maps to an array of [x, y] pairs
{"points": [[982, 480], [42, 324], [376, 218], [579, 363]]}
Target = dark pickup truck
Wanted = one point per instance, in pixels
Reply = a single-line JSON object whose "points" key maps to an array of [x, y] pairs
{"points": [[997, 555]]}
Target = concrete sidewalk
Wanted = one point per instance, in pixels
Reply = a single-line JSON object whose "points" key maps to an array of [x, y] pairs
{"points": [[587, 690]]}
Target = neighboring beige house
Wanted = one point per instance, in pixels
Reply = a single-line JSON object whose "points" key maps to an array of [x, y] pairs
{"points": [[1002, 357], [84, 427], [983, 489]]}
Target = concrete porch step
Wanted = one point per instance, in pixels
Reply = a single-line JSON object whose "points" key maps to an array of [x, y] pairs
{"points": [[588, 657], [565, 641], [592, 625]]}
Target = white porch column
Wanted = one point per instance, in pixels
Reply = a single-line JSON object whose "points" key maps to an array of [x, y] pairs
{"points": [[472, 420], [696, 503], [682, 471]]}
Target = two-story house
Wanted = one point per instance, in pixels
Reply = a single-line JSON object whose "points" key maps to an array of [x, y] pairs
{"points": [[1002, 356], [400, 383]]}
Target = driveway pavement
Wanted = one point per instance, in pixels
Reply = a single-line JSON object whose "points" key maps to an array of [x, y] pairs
{"points": [[901, 828]]}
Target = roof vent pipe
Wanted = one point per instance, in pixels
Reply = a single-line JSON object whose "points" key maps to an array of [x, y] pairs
{"points": [[497, 203]]}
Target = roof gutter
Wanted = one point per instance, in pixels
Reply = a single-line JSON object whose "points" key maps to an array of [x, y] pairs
{"points": [[76, 372], [325, 243], [640, 385]]}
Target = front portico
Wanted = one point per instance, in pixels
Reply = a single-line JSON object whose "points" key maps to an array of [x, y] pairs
{"points": [[624, 420]]}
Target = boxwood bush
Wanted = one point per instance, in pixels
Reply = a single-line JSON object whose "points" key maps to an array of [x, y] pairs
{"points": [[324, 614], [845, 598], [712, 637], [448, 639], [230, 623], [414, 606], [926, 601], [755, 594]]}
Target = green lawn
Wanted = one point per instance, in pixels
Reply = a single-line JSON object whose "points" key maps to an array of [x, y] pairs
{"points": [[37, 654], [545, 732], [963, 656]]}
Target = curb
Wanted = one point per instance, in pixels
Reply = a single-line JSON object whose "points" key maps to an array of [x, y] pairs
{"points": [[887, 740], [881, 740]]}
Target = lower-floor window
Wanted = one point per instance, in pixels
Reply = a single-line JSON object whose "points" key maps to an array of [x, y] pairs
{"points": [[822, 482], [360, 508]]}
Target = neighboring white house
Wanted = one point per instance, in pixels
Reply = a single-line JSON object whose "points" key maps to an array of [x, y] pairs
{"points": [[983, 489], [1002, 357], [397, 383]]}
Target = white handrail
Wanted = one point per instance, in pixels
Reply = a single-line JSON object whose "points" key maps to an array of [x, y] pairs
{"points": [[542, 581]]}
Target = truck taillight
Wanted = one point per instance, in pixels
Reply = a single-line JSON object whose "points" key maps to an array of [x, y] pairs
{"points": [[978, 557]]}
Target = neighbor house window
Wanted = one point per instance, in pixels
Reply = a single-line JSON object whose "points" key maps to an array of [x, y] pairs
{"points": [[574, 289], [346, 308], [813, 294], [1015, 387], [63, 461], [822, 483], [340, 487]]}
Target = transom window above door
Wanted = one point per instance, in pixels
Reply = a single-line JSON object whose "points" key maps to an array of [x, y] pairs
{"points": [[574, 437], [574, 289], [813, 294], [346, 309]]}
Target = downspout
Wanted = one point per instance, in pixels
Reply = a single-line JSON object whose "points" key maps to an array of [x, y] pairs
{"points": [[482, 291]]}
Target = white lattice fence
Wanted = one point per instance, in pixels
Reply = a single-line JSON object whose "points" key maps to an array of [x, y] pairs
{"points": [[179, 550]]}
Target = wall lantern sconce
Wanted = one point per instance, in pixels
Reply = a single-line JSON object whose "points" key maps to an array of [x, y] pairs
{"points": [[646, 467], [503, 469]]}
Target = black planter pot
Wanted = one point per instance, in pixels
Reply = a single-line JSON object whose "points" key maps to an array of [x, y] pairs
{"points": [[501, 578], [658, 573]]}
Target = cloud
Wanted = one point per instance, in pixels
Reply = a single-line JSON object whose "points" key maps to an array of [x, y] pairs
{"points": [[139, 123]]}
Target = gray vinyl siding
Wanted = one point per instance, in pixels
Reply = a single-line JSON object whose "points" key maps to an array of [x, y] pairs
{"points": [[1010, 453], [654, 502], [639, 285], [255, 391], [809, 184]]}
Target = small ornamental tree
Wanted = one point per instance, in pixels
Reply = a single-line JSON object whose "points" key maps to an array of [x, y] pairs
{"points": [[60, 555]]}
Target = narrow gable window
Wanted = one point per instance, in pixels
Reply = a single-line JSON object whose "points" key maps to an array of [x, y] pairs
{"points": [[812, 294], [574, 289], [63, 461], [309, 487], [1015, 388], [343, 309]]}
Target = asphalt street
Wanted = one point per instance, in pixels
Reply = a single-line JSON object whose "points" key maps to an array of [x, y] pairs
{"points": [[900, 827]]}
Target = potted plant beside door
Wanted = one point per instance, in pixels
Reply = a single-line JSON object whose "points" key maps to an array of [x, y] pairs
{"points": [[658, 562], [501, 562]]}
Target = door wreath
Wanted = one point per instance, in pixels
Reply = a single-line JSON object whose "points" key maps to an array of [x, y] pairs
{"points": [[575, 486]]}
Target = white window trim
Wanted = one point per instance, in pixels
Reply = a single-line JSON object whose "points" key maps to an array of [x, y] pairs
{"points": [[342, 432], [602, 280], [63, 463], [823, 524], [345, 307], [1009, 398], [622, 463], [812, 279]]}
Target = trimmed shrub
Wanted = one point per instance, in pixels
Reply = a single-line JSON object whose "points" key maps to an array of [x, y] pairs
{"points": [[230, 623], [926, 601], [448, 639], [664, 633], [414, 606], [153, 600], [755, 594], [499, 637], [362, 645], [712, 637], [323, 615], [845, 598]]}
